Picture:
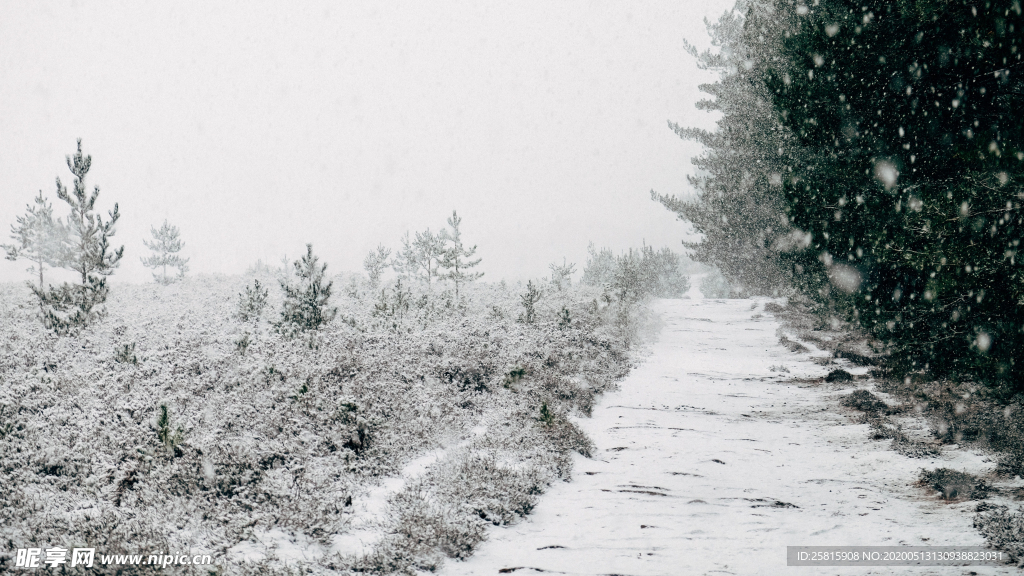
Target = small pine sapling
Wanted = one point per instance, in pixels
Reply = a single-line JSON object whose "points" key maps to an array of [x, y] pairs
{"points": [[561, 275], [126, 354], [38, 237], [564, 318], [529, 300], [375, 263], [242, 344], [306, 304], [396, 307], [166, 244], [457, 259], [252, 302], [164, 433], [547, 417]]}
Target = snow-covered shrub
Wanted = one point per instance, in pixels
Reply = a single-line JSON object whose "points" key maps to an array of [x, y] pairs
{"points": [[495, 492], [284, 434], [953, 484], [1003, 530]]}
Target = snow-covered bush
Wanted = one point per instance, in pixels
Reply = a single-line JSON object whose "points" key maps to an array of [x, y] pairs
{"points": [[1003, 530], [284, 434]]}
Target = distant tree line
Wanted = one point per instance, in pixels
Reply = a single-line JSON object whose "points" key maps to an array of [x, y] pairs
{"points": [[430, 257], [636, 274], [869, 156]]}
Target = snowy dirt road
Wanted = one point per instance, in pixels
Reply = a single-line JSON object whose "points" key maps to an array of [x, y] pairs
{"points": [[711, 459]]}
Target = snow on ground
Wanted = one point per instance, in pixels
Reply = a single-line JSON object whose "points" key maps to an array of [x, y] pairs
{"points": [[711, 459], [365, 526]]}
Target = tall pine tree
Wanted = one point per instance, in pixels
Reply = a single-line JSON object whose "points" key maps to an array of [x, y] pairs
{"points": [[913, 193], [458, 259], [739, 209], [88, 253]]}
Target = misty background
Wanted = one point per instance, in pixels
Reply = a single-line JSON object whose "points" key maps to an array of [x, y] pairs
{"points": [[257, 128]]}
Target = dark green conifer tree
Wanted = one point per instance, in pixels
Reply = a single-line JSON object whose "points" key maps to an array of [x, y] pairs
{"points": [[307, 302], [912, 194], [87, 252]]}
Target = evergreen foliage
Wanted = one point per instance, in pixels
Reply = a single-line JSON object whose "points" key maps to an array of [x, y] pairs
{"points": [[38, 237], [166, 244], [739, 209], [375, 263], [912, 191], [87, 252], [421, 258], [529, 301], [886, 142], [306, 303], [637, 274], [392, 310], [561, 274], [457, 258], [252, 302]]}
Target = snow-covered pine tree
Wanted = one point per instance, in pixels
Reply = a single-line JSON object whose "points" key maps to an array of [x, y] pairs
{"points": [[375, 263], [457, 259], [912, 201], [307, 303], [421, 258], [561, 274], [87, 252], [403, 262], [166, 244], [38, 238], [739, 209], [600, 267]]}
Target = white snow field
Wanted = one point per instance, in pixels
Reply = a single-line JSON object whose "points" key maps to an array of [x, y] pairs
{"points": [[708, 461]]}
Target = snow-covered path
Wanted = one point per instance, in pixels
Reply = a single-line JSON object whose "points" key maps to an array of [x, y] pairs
{"points": [[710, 462]]}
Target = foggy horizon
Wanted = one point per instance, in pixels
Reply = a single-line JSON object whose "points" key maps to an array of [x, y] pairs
{"points": [[258, 131]]}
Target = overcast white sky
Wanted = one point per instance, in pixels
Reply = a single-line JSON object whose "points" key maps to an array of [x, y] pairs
{"points": [[256, 127]]}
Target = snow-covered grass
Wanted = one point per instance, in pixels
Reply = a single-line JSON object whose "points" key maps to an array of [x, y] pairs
{"points": [[382, 442]]}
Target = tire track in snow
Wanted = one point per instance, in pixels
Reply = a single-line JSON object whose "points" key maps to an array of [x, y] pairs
{"points": [[708, 462]]}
